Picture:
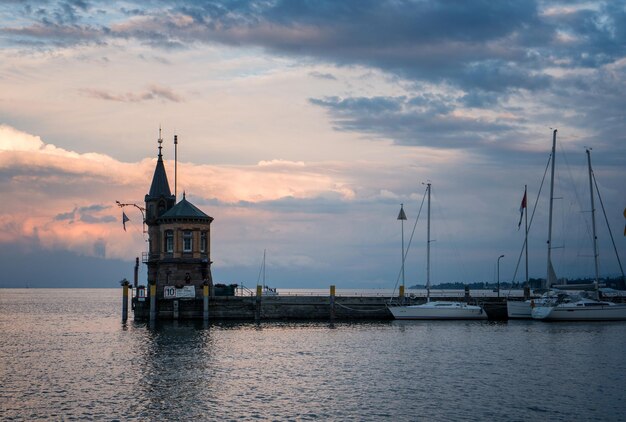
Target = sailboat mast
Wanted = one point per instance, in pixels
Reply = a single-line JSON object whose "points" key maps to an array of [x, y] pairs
{"points": [[593, 220], [264, 269], [428, 247], [550, 269], [526, 234]]}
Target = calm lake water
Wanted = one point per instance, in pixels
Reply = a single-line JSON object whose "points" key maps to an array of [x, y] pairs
{"points": [[65, 355]]}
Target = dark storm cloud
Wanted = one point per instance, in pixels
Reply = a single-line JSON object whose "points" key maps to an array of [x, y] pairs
{"points": [[555, 54], [29, 263], [491, 45], [425, 120]]}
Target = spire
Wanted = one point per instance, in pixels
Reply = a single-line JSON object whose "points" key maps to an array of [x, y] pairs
{"points": [[160, 185]]}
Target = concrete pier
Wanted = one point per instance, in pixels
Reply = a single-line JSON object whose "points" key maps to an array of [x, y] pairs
{"points": [[254, 308], [258, 307]]}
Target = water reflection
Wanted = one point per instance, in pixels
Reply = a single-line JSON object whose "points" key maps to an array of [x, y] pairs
{"points": [[66, 355], [176, 363]]}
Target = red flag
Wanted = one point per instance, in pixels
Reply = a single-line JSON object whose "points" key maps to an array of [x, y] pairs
{"points": [[521, 210]]}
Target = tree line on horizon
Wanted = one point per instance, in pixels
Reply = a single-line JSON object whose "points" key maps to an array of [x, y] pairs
{"points": [[617, 283]]}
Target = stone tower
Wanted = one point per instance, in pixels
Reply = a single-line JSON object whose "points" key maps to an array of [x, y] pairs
{"points": [[179, 239]]}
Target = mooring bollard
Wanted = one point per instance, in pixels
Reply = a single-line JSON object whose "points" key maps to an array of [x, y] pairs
{"points": [[332, 302], [259, 293], [125, 301], [205, 294], [152, 302]]}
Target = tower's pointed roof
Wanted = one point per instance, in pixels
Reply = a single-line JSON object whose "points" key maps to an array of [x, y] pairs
{"points": [[160, 185]]}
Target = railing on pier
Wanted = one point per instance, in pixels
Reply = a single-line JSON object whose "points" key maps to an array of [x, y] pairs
{"points": [[244, 291]]}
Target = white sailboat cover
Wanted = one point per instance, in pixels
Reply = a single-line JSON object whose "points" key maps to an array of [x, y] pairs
{"points": [[552, 280]]}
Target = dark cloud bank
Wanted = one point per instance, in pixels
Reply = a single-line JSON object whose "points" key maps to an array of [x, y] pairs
{"points": [[490, 52]]}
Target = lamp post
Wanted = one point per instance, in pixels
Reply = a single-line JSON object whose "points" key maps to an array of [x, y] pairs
{"points": [[501, 256], [402, 217]]}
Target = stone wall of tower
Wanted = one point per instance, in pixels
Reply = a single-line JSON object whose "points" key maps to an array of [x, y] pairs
{"points": [[177, 266]]}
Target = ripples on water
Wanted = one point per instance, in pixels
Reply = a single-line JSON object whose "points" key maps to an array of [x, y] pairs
{"points": [[64, 354]]}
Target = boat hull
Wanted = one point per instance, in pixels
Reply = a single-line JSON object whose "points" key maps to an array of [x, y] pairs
{"points": [[571, 313], [438, 311], [518, 309]]}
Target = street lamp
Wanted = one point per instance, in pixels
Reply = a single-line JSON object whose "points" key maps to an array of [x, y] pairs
{"points": [[501, 256], [402, 217]]}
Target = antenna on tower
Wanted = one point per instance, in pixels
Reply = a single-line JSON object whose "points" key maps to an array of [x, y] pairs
{"points": [[175, 167]]}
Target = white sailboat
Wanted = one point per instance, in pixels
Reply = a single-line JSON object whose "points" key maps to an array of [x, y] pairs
{"points": [[579, 307], [517, 309], [436, 310]]}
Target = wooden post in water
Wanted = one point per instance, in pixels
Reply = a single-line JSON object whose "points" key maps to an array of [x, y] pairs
{"points": [[205, 296], [259, 293], [152, 302], [467, 294], [401, 294], [175, 309], [125, 301], [136, 279], [526, 292], [332, 302]]}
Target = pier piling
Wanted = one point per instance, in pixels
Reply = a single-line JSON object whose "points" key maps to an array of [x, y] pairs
{"points": [[401, 294], [152, 302], [136, 275], [257, 313], [332, 302], [205, 297], [125, 301]]}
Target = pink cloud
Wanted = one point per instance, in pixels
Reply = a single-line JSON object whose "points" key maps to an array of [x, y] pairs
{"points": [[49, 186]]}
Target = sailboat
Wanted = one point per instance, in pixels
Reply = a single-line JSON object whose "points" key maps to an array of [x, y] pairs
{"points": [[436, 310], [517, 309], [567, 307], [266, 290]]}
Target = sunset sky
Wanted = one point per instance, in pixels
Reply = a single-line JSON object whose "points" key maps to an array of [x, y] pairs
{"points": [[302, 126]]}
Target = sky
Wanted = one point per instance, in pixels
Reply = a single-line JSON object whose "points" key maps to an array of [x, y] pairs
{"points": [[302, 127]]}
